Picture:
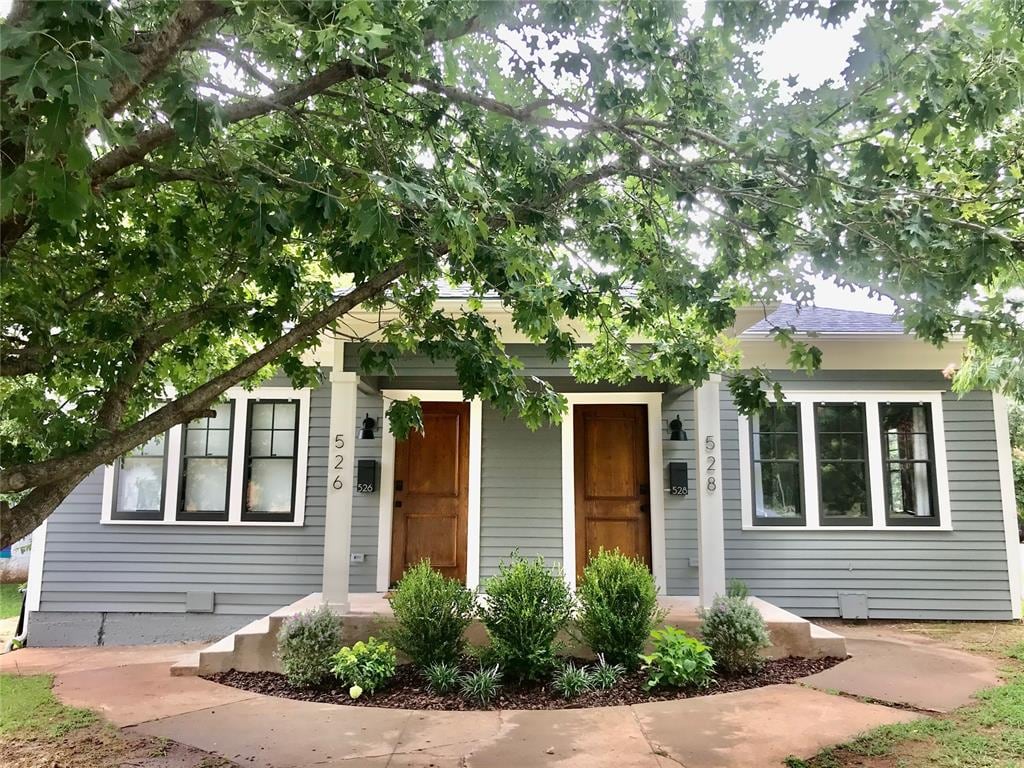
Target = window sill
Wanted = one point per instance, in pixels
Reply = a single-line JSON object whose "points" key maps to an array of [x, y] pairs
{"points": [[220, 523], [861, 528]]}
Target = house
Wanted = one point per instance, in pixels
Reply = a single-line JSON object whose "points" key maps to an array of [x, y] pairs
{"points": [[873, 491]]}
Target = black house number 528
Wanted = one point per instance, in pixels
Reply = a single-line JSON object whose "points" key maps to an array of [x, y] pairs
{"points": [[339, 463], [710, 480]]}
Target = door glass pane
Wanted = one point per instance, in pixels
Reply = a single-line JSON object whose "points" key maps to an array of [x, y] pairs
{"points": [[140, 484], [270, 485], [205, 485]]}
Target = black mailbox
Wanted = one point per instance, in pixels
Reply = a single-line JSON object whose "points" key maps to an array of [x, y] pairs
{"points": [[366, 475], [678, 478]]}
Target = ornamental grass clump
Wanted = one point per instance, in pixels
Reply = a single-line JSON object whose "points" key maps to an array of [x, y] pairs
{"points": [[305, 644], [678, 660], [442, 677], [618, 607], [736, 633], [604, 676], [525, 607], [431, 615], [481, 686], [365, 667], [571, 681]]}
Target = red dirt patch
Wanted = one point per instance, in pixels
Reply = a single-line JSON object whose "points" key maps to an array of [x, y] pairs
{"points": [[408, 689]]}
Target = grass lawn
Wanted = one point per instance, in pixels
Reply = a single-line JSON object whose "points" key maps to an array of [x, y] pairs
{"points": [[36, 730], [28, 708], [10, 600], [989, 734]]}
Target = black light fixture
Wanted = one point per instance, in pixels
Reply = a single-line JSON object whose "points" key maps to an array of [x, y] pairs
{"points": [[366, 433], [676, 431]]}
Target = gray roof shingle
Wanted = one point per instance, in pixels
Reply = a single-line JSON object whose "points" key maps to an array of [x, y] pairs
{"points": [[809, 319]]}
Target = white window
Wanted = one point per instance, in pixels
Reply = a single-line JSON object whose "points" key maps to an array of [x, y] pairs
{"points": [[846, 460], [243, 465]]}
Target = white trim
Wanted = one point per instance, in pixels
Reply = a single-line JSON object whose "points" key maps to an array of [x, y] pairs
{"points": [[338, 506], [710, 492], [385, 513], [36, 555], [655, 482], [1009, 502], [871, 399], [241, 398]]}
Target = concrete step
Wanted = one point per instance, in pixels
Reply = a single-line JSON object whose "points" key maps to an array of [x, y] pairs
{"points": [[827, 643]]}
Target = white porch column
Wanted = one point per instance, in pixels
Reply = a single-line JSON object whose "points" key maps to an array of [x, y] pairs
{"points": [[340, 473], [710, 511]]}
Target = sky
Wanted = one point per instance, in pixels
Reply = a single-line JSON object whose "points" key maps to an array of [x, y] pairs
{"points": [[813, 54]]}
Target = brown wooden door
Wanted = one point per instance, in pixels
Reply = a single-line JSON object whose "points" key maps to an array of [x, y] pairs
{"points": [[432, 493], [613, 493]]}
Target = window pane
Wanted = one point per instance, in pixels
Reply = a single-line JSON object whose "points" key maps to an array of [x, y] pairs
{"points": [[206, 484], [831, 446], [154, 447], [262, 415], [284, 416], [844, 490], [853, 446], [909, 490], [195, 441], [223, 418], [140, 484], [219, 443], [787, 446], [777, 489], [270, 485], [284, 443], [828, 418], [260, 443]]}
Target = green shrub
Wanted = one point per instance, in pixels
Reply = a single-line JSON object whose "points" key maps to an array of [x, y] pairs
{"points": [[618, 606], [525, 608], [571, 681], [431, 614], [678, 660], [737, 588], [305, 644], [605, 675], [442, 677], [367, 666], [736, 632], [481, 686]]}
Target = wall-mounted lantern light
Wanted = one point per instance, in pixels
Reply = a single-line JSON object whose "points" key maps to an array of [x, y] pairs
{"points": [[366, 433], [676, 431]]}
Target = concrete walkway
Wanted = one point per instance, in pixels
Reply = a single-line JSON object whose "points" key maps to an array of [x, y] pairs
{"points": [[755, 728]]}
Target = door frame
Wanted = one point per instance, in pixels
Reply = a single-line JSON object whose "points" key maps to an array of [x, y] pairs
{"points": [[654, 461], [387, 482]]}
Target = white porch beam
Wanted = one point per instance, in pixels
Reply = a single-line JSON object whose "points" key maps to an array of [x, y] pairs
{"points": [[710, 510], [340, 473]]}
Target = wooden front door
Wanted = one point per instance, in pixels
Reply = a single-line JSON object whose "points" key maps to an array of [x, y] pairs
{"points": [[432, 493], [613, 492]]}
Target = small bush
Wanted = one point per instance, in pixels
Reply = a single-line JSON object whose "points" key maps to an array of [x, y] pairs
{"points": [[481, 686], [305, 644], [618, 607], [366, 666], [526, 606], [571, 681], [431, 613], [442, 677], [736, 632], [605, 675], [737, 588], [678, 660]]}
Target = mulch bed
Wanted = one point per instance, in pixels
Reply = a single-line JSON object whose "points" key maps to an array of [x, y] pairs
{"points": [[408, 689]]}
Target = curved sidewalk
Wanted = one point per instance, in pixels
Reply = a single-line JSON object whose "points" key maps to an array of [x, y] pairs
{"points": [[748, 729]]}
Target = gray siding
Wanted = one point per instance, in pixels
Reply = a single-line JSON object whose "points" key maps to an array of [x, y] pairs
{"points": [[521, 492], [366, 506], [150, 568], [680, 511], [961, 574]]}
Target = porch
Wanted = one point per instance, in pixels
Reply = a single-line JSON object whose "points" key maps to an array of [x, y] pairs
{"points": [[252, 648]]}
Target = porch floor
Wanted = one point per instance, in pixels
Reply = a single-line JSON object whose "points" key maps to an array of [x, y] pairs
{"points": [[253, 647]]}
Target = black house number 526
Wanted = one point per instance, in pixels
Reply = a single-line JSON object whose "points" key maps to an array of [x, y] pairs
{"points": [[710, 480], [339, 463]]}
